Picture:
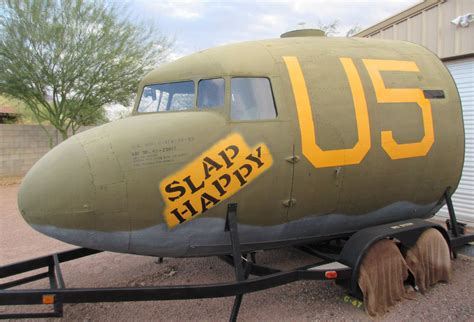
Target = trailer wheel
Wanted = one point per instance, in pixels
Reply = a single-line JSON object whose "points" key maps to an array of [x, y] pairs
{"points": [[381, 276], [429, 259]]}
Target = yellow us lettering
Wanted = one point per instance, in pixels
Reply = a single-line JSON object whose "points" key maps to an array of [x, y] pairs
{"points": [[320, 158], [311, 149], [215, 175], [401, 95]]}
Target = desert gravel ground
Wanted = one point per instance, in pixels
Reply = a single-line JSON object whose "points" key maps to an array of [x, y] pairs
{"points": [[301, 301]]}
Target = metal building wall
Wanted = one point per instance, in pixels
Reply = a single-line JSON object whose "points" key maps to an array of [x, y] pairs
{"points": [[463, 200], [429, 24]]}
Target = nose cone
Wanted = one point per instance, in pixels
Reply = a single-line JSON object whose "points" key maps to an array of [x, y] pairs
{"points": [[58, 189], [73, 194]]}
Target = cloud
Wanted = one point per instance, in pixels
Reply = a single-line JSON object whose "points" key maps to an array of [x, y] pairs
{"points": [[270, 20], [179, 9], [202, 24]]}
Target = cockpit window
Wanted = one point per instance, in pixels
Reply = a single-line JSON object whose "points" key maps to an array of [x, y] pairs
{"points": [[211, 93], [167, 97], [252, 99]]}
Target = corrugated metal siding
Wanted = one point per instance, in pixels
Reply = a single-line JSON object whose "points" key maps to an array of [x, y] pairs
{"points": [[432, 28], [463, 198]]}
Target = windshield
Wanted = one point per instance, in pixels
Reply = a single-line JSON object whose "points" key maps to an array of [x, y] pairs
{"points": [[167, 97]]}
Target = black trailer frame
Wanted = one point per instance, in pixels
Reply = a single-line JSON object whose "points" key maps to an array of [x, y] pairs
{"points": [[342, 267]]}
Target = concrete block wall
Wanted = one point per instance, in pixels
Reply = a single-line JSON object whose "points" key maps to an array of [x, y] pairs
{"points": [[21, 146]]}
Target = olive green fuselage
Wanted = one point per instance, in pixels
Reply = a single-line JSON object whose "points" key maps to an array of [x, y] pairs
{"points": [[106, 188]]}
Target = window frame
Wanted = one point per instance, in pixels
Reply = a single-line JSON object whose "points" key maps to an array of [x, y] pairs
{"points": [[218, 107], [193, 108], [224, 110], [254, 120]]}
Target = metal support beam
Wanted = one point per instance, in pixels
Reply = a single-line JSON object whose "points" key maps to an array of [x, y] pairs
{"points": [[231, 227], [452, 214]]}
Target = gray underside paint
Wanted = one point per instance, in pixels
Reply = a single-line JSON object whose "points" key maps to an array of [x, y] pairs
{"points": [[206, 236]]}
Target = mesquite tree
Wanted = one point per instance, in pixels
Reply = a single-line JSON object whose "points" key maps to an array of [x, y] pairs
{"points": [[66, 59]]}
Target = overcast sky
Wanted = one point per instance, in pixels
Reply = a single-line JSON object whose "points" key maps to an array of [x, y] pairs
{"points": [[198, 25]]}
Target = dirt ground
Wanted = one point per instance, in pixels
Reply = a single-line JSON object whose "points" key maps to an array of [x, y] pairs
{"points": [[300, 301]]}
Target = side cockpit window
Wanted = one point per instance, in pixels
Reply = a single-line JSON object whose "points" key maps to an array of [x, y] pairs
{"points": [[167, 97], [252, 99], [211, 93]]}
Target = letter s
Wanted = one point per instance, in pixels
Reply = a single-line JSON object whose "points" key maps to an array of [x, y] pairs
{"points": [[177, 188]]}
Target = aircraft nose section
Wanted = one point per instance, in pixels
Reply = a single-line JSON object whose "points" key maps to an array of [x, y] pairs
{"points": [[58, 190], [77, 193]]}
